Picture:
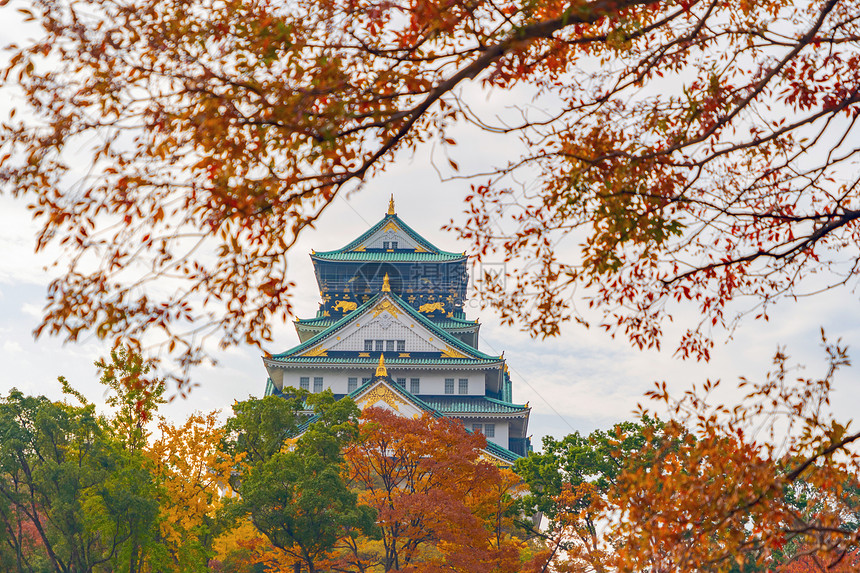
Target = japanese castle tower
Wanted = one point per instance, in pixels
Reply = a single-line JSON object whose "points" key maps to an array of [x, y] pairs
{"points": [[390, 331]]}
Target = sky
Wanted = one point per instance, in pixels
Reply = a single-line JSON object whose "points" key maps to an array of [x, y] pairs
{"points": [[579, 381]]}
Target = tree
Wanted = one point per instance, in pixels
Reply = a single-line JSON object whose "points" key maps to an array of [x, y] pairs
{"points": [[20, 546], [134, 396], [808, 502], [261, 428], [440, 506], [812, 565], [388, 494], [68, 486], [293, 489], [84, 492], [184, 462], [767, 484], [700, 150], [569, 483], [194, 475], [236, 550]]}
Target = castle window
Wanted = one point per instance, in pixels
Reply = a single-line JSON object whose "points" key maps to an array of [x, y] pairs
{"points": [[380, 345], [449, 385], [477, 428], [352, 384], [317, 383], [365, 381], [305, 383], [401, 382], [464, 386], [393, 244], [384, 244], [401, 346], [490, 430], [389, 346], [414, 385], [368, 346]]}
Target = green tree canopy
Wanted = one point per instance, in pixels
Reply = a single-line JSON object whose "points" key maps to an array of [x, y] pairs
{"points": [[293, 488], [87, 500]]}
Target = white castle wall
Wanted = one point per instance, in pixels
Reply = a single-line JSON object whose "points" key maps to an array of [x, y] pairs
{"points": [[431, 383]]}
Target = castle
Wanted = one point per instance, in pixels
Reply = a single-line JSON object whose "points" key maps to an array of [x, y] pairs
{"points": [[390, 331]]}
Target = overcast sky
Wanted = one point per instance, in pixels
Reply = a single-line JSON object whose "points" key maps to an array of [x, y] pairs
{"points": [[581, 380]]}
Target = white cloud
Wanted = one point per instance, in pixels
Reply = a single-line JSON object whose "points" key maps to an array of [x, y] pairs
{"points": [[32, 310], [11, 347]]}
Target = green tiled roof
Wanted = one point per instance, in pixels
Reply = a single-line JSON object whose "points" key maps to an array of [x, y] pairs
{"points": [[291, 354], [389, 361], [318, 321], [501, 452], [450, 324], [472, 404], [386, 256], [434, 251], [395, 387], [507, 386], [492, 448], [446, 323], [271, 388]]}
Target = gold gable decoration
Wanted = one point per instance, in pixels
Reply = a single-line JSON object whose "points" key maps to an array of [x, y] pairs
{"points": [[381, 393], [317, 351], [386, 285], [386, 306], [484, 456], [451, 353], [381, 370]]}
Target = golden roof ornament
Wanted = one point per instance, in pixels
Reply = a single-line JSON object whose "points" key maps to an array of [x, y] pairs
{"points": [[381, 370], [391, 205], [386, 286]]}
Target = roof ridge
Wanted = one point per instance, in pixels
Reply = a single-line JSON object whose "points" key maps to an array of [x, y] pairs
{"points": [[506, 403], [472, 404], [331, 329], [447, 335], [491, 448], [386, 219], [409, 309]]}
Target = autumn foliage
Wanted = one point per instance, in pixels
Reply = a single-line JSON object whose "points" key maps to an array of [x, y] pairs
{"points": [[731, 490], [692, 152], [194, 474], [811, 564], [439, 505], [85, 492], [769, 484], [434, 503]]}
